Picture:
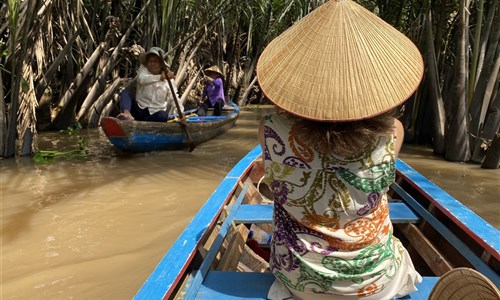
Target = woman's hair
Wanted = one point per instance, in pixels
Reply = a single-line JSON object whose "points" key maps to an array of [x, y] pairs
{"points": [[344, 138]]}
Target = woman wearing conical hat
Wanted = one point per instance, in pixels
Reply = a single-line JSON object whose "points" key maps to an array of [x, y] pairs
{"points": [[330, 152], [213, 93]]}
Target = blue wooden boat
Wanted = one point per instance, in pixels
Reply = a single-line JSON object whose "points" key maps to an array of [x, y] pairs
{"points": [[211, 258], [141, 136]]}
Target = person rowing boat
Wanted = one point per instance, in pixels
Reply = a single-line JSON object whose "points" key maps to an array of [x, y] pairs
{"points": [[153, 99]]}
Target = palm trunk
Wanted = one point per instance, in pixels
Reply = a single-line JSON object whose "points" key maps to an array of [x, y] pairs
{"points": [[441, 23], [490, 128], [492, 159], [100, 83], [3, 119], [437, 100], [18, 59], [485, 37], [248, 90], [233, 56], [27, 115], [457, 144], [68, 100], [475, 51], [60, 59], [101, 102], [487, 78], [182, 73], [190, 86], [10, 147], [244, 80]]}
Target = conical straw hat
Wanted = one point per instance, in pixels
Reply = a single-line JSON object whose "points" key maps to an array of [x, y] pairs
{"points": [[339, 63], [464, 284], [213, 70]]}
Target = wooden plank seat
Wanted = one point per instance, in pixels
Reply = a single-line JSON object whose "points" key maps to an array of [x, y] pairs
{"points": [[399, 212], [246, 285]]}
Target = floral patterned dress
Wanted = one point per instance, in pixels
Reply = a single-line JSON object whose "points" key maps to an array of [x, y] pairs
{"points": [[332, 232]]}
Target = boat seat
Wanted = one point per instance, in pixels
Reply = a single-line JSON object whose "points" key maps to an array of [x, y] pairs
{"points": [[399, 212], [249, 285]]}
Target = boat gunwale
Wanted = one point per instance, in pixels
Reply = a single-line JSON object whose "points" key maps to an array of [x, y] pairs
{"points": [[471, 223], [162, 281], [146, 136], [130, 127]]}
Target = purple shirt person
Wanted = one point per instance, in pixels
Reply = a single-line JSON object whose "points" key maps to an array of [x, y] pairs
{"points": [[213, 94], [214, 91]]}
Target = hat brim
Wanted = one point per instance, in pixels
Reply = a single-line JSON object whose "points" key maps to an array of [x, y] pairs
{"points": [[212, 72], [143, 58], [464, 284]]}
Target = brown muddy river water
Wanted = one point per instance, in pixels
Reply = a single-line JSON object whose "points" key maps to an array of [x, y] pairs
{"points": [[95, 228]]}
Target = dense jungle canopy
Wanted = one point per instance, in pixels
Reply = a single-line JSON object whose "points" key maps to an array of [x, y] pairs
{"points": [[64, 61]]}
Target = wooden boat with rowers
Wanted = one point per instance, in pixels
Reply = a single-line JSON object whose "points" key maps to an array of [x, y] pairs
{"points": [[213, 259], [141, 136]]}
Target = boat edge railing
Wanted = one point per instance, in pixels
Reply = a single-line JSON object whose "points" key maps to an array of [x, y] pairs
{"points": [[165, 275], [478, 228]]}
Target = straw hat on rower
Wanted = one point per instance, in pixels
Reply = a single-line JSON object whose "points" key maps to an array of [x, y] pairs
{"points": [[340, 63], [464, 284], [213, 71], [156, 51]]}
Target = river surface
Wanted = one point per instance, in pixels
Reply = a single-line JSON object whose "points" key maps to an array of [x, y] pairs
{"points": [[95, 227]]}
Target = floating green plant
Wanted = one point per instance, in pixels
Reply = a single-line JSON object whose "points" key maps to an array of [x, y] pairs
{"points": [[48, 156]]}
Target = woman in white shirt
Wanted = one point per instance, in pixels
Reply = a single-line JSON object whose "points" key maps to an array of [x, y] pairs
{"points": [[153, 98]]}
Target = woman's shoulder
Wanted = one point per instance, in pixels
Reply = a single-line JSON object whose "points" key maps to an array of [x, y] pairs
{"points": [[142, 70], [217, 81], [281, 123]]}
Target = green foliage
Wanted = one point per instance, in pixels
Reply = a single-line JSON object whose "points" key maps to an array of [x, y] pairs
{"points": [[229, 33], [24, 85], [49, 156], [73, 130], [13, 9], [45, 157]]}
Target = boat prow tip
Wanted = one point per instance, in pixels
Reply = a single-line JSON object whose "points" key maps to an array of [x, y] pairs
{"points": [[111, 127]]}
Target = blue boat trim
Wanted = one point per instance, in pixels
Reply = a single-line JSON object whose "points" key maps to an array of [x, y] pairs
{"points": [[399, 212], [212, 253], [143, 136], [477, 227], [176, 260], [253, 286], [475, 261]]}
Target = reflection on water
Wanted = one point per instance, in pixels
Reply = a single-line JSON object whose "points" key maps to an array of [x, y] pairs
{"points": [[94, 228]]}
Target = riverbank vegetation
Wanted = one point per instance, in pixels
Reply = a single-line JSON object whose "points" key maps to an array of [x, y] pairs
{"points": [[63, 62]]}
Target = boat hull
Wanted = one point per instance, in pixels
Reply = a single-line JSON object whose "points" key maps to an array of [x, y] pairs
{"points": [[140, 136]]}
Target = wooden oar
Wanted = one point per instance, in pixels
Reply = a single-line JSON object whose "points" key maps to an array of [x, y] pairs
{"points": [[181, 116]]}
